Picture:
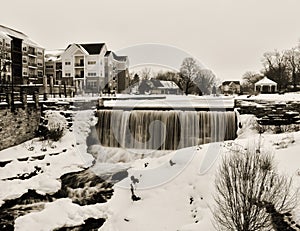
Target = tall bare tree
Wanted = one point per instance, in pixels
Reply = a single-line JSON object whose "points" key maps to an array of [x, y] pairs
{"points": [[145, 73], [245, 180], [188, 72], [293, 61], [276, 68], [205, 80]]}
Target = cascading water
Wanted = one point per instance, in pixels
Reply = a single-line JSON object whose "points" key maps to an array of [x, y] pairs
{"points": [[164, 130]]}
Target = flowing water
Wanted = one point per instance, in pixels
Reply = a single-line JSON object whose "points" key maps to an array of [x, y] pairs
{"points": [[164, 130]]}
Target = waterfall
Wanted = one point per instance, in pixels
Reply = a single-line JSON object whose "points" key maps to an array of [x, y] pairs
{"points": [[164, 130]]}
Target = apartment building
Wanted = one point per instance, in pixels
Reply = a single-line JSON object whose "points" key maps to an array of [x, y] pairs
{"points": [[116, 72], [92, 67], [22, 59], [53, 65]]}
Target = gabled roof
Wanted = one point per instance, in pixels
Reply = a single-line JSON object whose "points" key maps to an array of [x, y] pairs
{"points": [[156, 83], [168, 84], [229, 82], [107, 53], [119, 58], [93, 48], [160, 84], [18, 34], [265, 81]]}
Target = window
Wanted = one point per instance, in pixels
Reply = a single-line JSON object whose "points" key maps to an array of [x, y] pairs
{"points": [[24, 61], [92, 84], [7, 44], [24, 48], [49, 66], [40, 74], [68, 74], [92, 74], [67, 63], [40, 53], [40, 64], [91, 62], [25, 73]]}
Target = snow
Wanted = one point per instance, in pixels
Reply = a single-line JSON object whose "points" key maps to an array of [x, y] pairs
{"points": [[174, 101], [167, 205], [273, 97], [61, 212], [176, 188], [59, 158]]}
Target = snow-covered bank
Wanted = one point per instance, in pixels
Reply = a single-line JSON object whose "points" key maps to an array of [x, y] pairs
{"points": [[175, 188], [59, 213], [273, 97], [185, 202], [53, 159]]}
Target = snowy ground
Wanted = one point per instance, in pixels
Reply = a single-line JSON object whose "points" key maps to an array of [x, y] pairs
{"points": [[176, 188], [173, 101], [273, 97]]}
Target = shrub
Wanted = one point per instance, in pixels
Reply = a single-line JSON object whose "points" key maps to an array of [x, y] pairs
{"points": [[246, 183], [53, 126]]}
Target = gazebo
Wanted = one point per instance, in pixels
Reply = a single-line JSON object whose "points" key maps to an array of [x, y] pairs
{"points": [[265, 85]]}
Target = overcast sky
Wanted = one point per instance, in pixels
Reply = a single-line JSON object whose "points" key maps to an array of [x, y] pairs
{"points": [[228, 36]]}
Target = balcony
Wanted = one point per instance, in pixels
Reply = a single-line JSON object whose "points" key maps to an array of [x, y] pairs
{"points": [[32, 76], [79, 65], [58, 66], [32, 53], [32, 65], [79, 76]]}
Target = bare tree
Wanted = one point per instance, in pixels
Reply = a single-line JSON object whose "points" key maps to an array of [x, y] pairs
{"points": [[293, 61], [246, 178], [276, 68], [249, 79], [145, 73], [205, 80], [188, 72]]}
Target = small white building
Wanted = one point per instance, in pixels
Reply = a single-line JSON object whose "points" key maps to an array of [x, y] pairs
{"points": [[265, 85]]}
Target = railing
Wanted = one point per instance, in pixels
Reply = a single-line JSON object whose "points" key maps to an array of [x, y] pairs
{"points": [[30, 52], [18, 99], [32, 64], [79, 64]]}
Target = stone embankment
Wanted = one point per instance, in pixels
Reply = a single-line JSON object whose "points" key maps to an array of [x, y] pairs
{"points": [[270, 112]]}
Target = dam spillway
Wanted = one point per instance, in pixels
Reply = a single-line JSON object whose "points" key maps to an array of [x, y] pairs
{"points": [[164, 130]]}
